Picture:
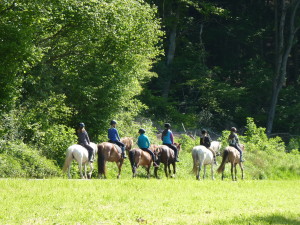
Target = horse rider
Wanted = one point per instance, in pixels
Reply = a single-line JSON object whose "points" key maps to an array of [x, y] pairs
{"points": [[84, 140], [233, 141], [144, 144], [114, 137], [168, 140], [205, 140]]}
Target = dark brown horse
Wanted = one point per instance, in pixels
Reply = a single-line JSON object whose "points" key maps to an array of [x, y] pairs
{"points": [[231, 155], [137, 158], [167, 157], [108, 152]]}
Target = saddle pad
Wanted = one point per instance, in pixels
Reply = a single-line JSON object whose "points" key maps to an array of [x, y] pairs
{"points": [[118, 148]]}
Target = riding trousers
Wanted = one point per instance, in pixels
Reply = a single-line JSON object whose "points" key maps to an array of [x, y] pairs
{"points": [[120, 144], [174, 148], [90, 150], [239, 149], [150, 152]]}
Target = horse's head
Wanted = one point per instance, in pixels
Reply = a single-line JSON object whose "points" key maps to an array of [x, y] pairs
{"points": [[178, 146]]}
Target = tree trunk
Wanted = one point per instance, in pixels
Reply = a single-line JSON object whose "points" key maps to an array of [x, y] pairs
{"points": [[284, 43], [170, 58]]}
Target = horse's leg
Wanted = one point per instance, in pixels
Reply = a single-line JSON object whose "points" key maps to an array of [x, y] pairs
{"points": [[204, 172], [166, 169], [91, 170], [212, 171], [232, 171], [84, 166], [80, 168], [69, 169], [120, 168], [235, 172], [242, 170], [148, 171], [174, 169]]}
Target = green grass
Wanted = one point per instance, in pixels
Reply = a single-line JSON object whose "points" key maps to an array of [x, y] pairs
{"points": [[134, 201]]}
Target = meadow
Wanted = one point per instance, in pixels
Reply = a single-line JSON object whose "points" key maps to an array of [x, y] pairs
{"points": [[143, 201]]}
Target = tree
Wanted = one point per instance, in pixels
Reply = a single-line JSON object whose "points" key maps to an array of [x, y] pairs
{"points": [[285, 31]]}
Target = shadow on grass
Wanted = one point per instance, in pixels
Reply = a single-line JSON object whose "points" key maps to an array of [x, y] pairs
{"points": [[268, 219]]}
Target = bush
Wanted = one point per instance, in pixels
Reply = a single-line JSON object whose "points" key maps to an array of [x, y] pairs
{"points": [[19, 160], [54, 141]]}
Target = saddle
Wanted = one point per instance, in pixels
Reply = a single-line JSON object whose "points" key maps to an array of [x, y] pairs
{"points": [[118, 148]]}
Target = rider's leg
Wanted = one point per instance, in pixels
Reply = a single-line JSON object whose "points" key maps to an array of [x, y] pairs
{"points": [[122, 146], [214, 155], [90, 151], [152, 155], [240, 151], [175, 151]]}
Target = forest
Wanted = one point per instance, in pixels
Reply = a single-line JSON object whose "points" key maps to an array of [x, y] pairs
{"points": [[195, 64]]}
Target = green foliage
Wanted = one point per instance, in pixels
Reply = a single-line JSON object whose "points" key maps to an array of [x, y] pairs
{"points": [[19, 160], [53, 142], [294, 145]]}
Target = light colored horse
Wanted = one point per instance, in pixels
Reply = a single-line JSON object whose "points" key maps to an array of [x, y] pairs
{"points": [[202, 157], [80, 154], [231, 155], [137, 158], [109, 152], [216, 146]]}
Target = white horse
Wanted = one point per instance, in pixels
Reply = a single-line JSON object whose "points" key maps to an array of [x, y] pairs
{"points": [[202, 156], [216, 146], [80, 154]]}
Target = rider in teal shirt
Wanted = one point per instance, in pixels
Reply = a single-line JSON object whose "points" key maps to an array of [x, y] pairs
{"points": [[144, 144]]}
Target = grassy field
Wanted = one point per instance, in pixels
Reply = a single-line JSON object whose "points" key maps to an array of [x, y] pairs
{"points": [[141, 201]]}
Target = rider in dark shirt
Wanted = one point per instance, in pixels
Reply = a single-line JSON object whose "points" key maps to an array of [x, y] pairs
{"points": [[233, 141], [84, 140]]}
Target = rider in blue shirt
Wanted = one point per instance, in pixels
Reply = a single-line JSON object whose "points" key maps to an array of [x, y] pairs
{"points": [[114, 137], [167, 139], [144, 144]]}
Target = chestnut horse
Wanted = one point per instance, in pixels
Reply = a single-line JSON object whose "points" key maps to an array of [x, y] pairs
{"points": [[128, 142], [167, 157], [108, 152], [231, 155], [137, 158]]}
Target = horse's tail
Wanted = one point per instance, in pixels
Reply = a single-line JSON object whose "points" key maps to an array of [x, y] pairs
{"points": [[224, 160], [68, 160], [132, 158], [196, 159], [101, 159]]}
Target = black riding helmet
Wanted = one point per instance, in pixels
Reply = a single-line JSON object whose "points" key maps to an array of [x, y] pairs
{"points": [[204, 131], [113, 122], [167, 125], [81, 125], [142, 131], [233, 129]]}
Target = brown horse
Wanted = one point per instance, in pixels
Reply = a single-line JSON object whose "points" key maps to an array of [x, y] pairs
{"points": [[108, 152], [231, 155], [137, 158], [128, 142], [167, 157]]}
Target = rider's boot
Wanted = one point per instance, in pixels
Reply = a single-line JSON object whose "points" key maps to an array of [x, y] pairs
{"points": [[123, 153]]}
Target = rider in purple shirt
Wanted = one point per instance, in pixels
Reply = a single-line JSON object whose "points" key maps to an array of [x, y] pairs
{"points": [[114, 137]]}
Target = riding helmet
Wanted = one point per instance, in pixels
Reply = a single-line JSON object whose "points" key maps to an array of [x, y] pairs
{"points": [[81, 125], [113, 122], [142, 131], [233, 129], [204, 131], [167, 125]]}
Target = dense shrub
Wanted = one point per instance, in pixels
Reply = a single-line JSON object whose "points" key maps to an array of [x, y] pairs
{"points": [[19, 160], [54, 141]]}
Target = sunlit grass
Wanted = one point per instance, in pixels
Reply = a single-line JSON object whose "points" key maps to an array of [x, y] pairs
{"points": [[133, 201]]}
